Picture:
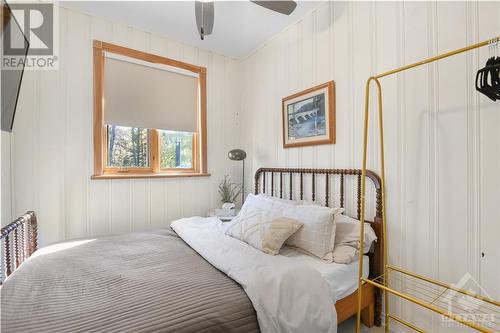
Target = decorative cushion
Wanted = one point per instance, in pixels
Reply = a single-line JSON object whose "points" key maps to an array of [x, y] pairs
{"points": [[263, 230]]}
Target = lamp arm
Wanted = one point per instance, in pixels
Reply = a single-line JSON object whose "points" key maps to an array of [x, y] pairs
{"points": [[243, 185]]}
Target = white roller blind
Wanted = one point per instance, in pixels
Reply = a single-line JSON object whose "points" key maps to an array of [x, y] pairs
{"points": [[137, 94]]}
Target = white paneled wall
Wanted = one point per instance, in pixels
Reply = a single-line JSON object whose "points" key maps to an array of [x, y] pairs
{"points": [[442, 137], [5, 189], [52, 141]]}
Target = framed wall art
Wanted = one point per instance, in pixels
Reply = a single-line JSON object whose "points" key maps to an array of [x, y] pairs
{"points": [[309, 117]]}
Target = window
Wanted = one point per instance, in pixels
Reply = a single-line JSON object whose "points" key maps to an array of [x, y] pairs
{"points": [[176, 150], [128, 147], [149, 115]]}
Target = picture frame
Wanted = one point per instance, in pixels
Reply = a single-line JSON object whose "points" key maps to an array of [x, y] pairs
{"points": [[308, 117]]}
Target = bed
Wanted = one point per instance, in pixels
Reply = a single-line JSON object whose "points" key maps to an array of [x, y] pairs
{"points": [[281, 182], [192, 280]]}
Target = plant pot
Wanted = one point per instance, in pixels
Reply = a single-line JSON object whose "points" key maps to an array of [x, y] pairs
{"points": [[228, 209]]}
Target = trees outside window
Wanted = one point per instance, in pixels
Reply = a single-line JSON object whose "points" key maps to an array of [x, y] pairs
{"points": [[129, 147]]}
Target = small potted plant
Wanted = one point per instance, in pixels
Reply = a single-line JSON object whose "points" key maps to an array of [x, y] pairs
{"points": [[228, 191]]}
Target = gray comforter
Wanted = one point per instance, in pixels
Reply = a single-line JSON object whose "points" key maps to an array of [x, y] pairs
{"points": [[142, 282]]}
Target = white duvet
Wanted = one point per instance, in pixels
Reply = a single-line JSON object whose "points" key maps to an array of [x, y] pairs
{"points": [[287, 296]]}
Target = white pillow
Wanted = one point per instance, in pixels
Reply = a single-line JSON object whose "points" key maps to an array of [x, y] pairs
{"points": [[255, 202], [347, 241], [317, 235], [288, 201], [262, 230]]}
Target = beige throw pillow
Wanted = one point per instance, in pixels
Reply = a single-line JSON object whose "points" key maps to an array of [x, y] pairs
{"points": [[263, 231]]}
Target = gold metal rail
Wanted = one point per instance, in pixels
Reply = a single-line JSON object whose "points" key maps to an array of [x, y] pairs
{"points": [[382, 282], [407, 324], [430, 304]]}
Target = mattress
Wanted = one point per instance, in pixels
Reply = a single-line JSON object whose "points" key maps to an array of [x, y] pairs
{"points": [[342, 278]]}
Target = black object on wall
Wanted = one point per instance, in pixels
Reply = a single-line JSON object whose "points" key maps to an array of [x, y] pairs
{"points": [[11, 78]]}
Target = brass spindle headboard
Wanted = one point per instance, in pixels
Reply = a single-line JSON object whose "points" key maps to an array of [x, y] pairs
{"points": [[19, 242]]}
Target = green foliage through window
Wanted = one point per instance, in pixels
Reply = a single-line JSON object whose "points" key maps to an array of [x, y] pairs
{"points": [[128, 147], [176, 149]]}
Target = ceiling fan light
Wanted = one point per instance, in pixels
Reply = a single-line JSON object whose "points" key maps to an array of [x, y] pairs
{"points": [[204, 14]]}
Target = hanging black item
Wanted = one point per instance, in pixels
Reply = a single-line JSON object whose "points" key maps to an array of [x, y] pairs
{"points": [[204, 12], [488, 77]]}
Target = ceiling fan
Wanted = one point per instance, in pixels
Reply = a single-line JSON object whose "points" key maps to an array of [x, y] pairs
{"points": [[204, 11]]}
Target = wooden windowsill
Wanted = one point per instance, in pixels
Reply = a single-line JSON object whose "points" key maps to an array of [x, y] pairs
{"points": [[150, 175]]}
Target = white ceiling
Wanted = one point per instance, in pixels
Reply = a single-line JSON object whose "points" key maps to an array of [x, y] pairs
{"points": [[240, 26]]}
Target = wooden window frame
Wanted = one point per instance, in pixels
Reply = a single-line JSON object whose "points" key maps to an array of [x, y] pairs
{"points": [[100, 137]]}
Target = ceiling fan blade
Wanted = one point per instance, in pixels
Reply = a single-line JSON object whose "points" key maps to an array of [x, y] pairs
{"points": [[283, 7], [204, 12]]}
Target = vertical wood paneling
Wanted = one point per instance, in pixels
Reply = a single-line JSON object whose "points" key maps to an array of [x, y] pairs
{"points": [[387, 14], [76, 114], [433, 148], [305, 70], [292, 82], [99, 192], [120, 206], [21, 148], [488, 23], [322, 70], [100, 208], [157, 202], [6, 179], [442, 139], [50, 119], [442, 155], [139, 203], [52, 145], [413, 143], [342, 69], [173, 201], [453, 131]]}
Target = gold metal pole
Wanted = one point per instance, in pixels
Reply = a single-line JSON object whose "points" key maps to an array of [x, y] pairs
{"points": [[363, 186], [382, 188], [362, 217], [439, 57]]}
